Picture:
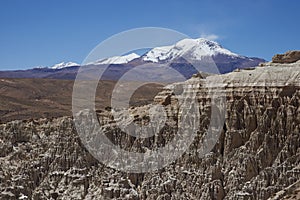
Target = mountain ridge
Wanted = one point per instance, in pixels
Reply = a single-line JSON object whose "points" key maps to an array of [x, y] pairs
{"points": [[179, 56]]}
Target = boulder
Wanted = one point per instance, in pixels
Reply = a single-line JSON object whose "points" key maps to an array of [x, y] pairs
{"points": [[288, 57]]}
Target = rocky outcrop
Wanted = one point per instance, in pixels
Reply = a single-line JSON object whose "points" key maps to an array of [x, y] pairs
{"points": [[288, 57], [256, 156], [291, 192]]}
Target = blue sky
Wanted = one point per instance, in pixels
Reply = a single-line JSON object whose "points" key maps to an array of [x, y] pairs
{"points": [[43, 33]]}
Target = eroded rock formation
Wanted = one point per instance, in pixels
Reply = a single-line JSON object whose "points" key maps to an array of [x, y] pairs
{"points": [[256, 156]]}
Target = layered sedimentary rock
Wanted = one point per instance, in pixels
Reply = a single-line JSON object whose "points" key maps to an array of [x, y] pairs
{"points": [[256, 156]]}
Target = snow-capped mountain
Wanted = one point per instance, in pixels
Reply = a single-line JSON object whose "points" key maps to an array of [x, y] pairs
{"points": [[189, 49], [177, 56], [119, 59], [64, 65], [193, 48]]}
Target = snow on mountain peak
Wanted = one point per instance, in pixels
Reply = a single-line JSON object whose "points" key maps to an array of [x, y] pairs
{"points": [[186, 48], [193, 48], [119, 59], [64, 65]]}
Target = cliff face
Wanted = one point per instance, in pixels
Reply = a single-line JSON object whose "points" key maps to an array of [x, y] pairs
{"points": [[257, 154]]}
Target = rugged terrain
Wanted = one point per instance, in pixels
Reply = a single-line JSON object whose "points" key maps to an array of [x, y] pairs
{"points": [[257, 155]]}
